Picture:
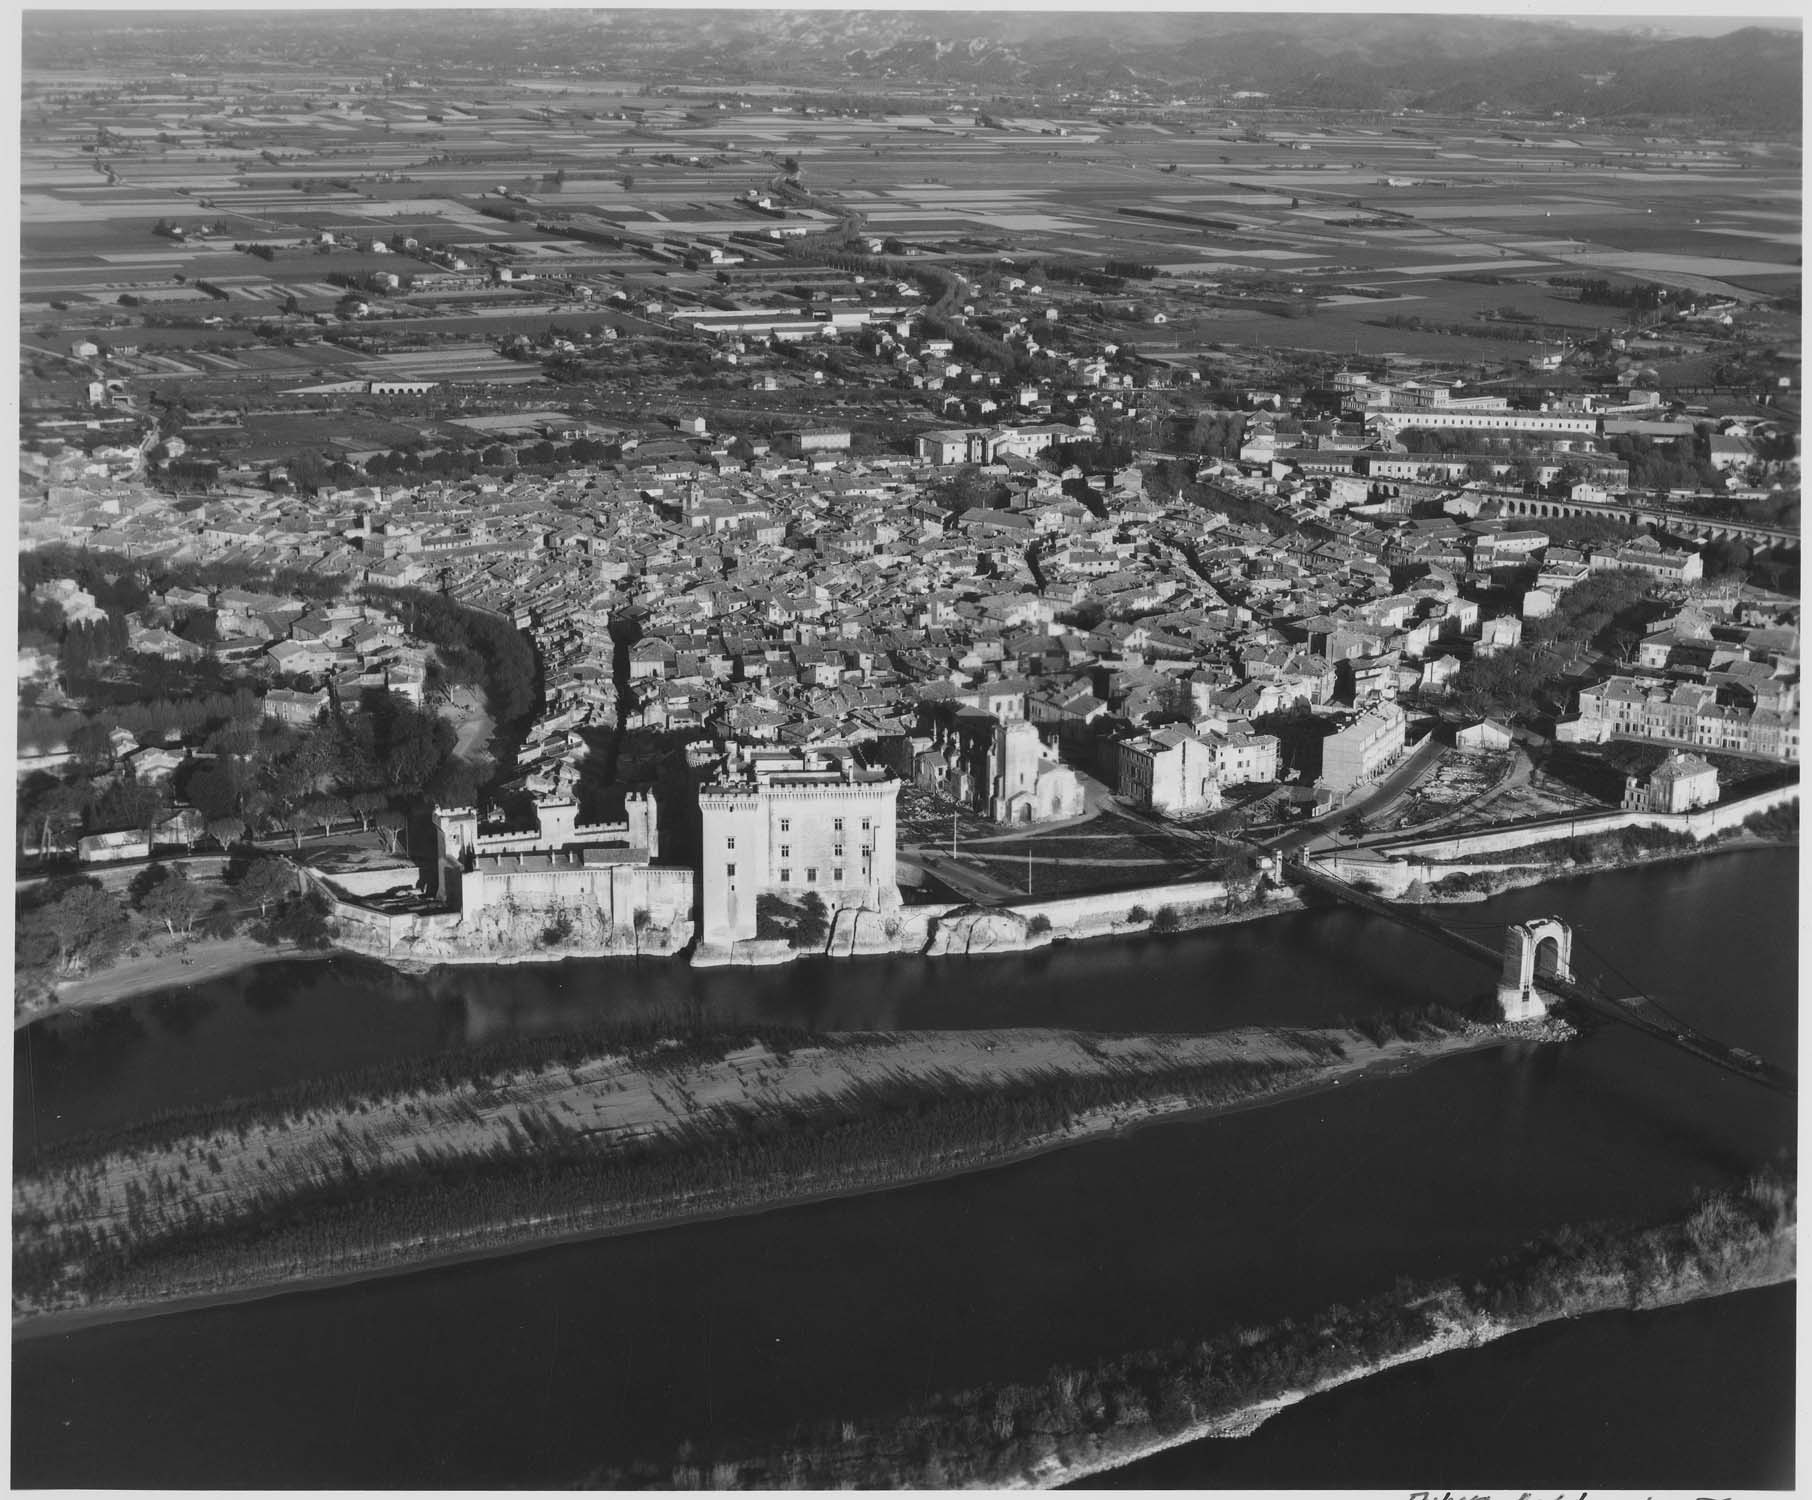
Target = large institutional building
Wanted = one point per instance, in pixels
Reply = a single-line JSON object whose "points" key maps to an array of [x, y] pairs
{"points": [[790, 823], [985, 445]]}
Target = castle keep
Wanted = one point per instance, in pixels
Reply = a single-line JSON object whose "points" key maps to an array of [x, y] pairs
{"points": [[788, 823]]}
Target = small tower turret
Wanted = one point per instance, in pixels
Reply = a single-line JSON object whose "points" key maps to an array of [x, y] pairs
{"points": [[456, 836], [643, 816]]}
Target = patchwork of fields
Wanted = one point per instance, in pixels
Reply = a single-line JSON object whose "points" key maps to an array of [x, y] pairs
{"points": [[1446, 221]]}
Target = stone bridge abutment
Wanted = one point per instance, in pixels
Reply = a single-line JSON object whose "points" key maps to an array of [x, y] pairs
{"points": [[1540, 948]]}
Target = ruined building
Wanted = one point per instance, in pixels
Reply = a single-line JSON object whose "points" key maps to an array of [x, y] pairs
{"points": [[1001, 767]]}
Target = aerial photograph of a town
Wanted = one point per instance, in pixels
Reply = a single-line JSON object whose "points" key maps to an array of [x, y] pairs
{"points": [[900, 748]]}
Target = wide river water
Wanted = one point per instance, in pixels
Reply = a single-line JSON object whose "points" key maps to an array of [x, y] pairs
{"points": [[536, 1368]]}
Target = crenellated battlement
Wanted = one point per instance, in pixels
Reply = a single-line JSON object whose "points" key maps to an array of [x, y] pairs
{"points": [[778, 789], [557, 831], [601, 830]]}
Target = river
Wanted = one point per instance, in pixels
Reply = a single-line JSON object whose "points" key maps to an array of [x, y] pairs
{"points": [[533, 1369]]}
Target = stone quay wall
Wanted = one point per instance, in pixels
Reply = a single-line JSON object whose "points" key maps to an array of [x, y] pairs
{"points": [[1394, 867], [1701, 824]]}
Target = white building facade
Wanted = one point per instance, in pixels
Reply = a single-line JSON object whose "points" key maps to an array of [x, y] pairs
{"points": [[1354, 755], [790, 823]]}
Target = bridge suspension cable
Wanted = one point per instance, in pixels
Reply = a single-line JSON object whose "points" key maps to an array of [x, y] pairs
{"points": [[1636, 991], [1644, 1015]]}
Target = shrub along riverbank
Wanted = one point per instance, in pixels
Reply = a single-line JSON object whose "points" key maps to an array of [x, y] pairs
{"points": [[319, 1183], [1083, 1419], [1534, 864]]}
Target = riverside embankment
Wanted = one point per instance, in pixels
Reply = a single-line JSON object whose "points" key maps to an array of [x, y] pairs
{"points": [[1489, 880], [1446, 866], [1457, 868], [298, 1188]]}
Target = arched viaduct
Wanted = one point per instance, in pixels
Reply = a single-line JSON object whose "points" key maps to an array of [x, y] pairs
{"points": [[1679, 523]]}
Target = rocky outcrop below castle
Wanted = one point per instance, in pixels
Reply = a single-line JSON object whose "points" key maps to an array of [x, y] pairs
{"points": [[507, 933], [981, 929], [963, 929], [518, 930]]}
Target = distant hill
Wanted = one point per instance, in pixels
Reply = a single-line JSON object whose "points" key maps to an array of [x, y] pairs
{"points": [[1745, 79]]}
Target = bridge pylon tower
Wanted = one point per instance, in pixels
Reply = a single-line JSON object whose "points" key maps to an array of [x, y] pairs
{"points": [[1540, 948]]}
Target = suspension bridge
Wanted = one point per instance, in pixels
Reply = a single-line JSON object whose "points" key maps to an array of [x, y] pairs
{"points": [[1535, 963]]}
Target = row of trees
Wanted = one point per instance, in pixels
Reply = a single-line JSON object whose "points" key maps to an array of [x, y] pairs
{"points": [[1116, 1408], [1639, 296], [1667, 466], [1518, 333], [1602, 613], [1218, 434], [555, 1179]]}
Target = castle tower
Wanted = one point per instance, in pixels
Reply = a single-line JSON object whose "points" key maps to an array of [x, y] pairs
{"points": [[791, 824], [643, 816], [456, 839], [558, 818]]}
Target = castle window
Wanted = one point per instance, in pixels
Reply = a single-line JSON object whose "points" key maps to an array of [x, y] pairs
{"points": [[786, 851], [811, 875], [838, 851], [837, 874], [730, 843], [786, 875], [837, 823], [786, 825], [865, 825], [730, 872]]}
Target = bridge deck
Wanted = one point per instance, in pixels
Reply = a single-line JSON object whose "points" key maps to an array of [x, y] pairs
{"points": [[1640, 1013]]}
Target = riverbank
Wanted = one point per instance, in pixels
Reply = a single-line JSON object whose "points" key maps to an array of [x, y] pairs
{"points": [[200, 959], [274, 1197], [212, 960], [1516, 878], [1456, 1335], [1081, 1421]]}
